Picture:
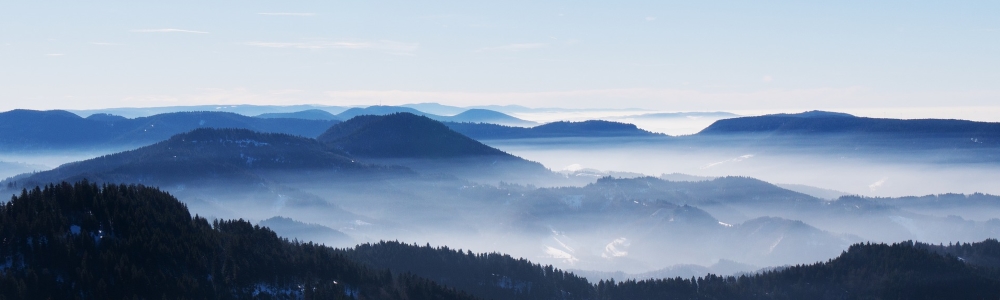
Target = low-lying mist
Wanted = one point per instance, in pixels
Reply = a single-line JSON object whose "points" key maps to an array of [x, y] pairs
{"points": [[886, 174], [658, 205]]}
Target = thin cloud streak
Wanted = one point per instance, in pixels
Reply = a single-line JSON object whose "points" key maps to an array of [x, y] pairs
{"points": [[288, 14], [390, 47], [513, 47], [167, 30]]}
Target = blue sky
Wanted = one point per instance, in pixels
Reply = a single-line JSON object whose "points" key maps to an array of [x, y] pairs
{"points": [[918, 57]]}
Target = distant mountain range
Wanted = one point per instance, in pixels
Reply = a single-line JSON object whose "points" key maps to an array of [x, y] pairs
{"points": [[816, 124], [246, 110], [685, 115], [28, 130], [469, 115], [312, 114], [244, 155], [551, 130]]}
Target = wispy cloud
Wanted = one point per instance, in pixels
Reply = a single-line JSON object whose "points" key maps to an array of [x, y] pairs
{"points": [[287, 14], [55, 54], [391, 47], [168, 30], [650, 19], [738, 159], [513, 47], [877, 184]]}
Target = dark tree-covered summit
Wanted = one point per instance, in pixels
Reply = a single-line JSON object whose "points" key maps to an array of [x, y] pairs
{"points": [[84, 241], [402, 135], [225, 155]]}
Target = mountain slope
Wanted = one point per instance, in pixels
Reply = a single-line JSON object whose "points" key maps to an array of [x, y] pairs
{"points": [[403, 135], [122, 242], [594, 128], [381, 110], [486, 116], [28, 129], [818, 123], [429, 147], [226, 155], [118, 241]]}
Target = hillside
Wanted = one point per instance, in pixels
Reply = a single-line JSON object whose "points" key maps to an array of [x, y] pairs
{"points": [[470, 115], [205, 155], [429, 147], [120, 242], [402, 135], [380, 110], [819, 124], [864, 271], [27, 130], [486, 116], [594, 128]]}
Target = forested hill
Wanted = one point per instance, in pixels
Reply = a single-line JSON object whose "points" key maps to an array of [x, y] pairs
{"points": [[865, 271], [403, 135], [818, 124], [206, 155], [487, 116], [82, 241], [594, 128], [116, 241], [469, 115], [29, 130]]}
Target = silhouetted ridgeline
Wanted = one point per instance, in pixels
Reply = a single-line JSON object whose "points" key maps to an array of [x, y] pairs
{"points": [[482, 131], [493, 275], [470, 115], [311, 114], [402, 135], [28, 130], [864, 271], [119, 242], [819, 124], [223, 155], [115, 241]]}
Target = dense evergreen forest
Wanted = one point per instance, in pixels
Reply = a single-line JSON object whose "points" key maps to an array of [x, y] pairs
{"points": [[84, 241], [904, 270]]}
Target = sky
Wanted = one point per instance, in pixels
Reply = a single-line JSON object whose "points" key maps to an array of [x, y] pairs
{"points": [[878, 58]]}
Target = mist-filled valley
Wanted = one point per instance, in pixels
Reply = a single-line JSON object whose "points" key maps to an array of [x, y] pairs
{"points": [[603, 199]]}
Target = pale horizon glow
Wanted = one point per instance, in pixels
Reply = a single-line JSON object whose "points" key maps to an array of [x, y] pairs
{"points": [[922, 60]]}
